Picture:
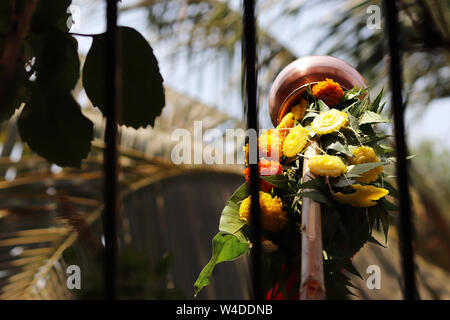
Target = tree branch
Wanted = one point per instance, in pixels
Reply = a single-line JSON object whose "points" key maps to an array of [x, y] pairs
{"points": [[13, 44]]}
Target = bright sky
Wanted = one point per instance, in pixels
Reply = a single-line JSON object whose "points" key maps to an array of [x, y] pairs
{"points": [[208, 86]]}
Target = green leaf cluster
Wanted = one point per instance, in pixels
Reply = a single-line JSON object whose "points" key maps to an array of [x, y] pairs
{"points": [[48, 69]]}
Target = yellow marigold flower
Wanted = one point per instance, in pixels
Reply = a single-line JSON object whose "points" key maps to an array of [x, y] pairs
{"points": [[273, 217], [299, 110], [271, 144], [287, 121], [329, 91], [329, 121], [295, 141], [364, 155], [326, 165], [364, 196], [246, 154]]}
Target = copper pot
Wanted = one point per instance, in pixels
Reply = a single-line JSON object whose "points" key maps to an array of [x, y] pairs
{"points": [[293, 80]]}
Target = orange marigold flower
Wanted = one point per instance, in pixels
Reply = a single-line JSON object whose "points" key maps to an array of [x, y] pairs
{"points": [[266, 168], [273, 217], [271, 144], [328, 91]]}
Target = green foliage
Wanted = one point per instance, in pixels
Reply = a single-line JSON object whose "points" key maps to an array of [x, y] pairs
{"points": [[229, 220], [57, 64], [52, 124], [48, 69], [230, 243], [142, 89], [226, 247]]}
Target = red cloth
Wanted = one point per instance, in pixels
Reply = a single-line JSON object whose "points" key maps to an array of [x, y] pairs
{"points": [[292, 288]]}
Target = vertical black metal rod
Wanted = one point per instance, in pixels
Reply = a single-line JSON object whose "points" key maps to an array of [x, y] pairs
{"points": [[405, 221], [110, 154], [249, 55]]}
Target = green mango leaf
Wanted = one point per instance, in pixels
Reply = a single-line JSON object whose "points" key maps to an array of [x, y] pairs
{"points": [[54, 127], [385, 222], [142, 85], [230, 221], [226, 247], [389, 206], [392, 191], [380, 213], [309, 115], [371, 140], [348, 265], [322, 106], [382, 148], [375, 241], [354, 93], [341, 182], [375, 105], [353, 122], [280, 181], [311, 184], [240, 194], [357, 169], [339, 147], [316, 196], [370, 117]]}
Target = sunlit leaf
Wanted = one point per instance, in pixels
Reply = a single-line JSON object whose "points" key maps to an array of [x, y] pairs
{"points": [[226, 247], [370, 117], [357, 169]]}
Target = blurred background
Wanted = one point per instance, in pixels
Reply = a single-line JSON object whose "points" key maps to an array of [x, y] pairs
{"points": [[50, 216]]}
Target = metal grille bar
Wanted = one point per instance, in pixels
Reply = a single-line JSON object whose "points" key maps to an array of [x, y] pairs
{"points": [[405, 223], [251, 98], [110, 155]]}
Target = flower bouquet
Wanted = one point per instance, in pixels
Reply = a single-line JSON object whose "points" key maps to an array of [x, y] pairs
{"points": [[344, 173]]}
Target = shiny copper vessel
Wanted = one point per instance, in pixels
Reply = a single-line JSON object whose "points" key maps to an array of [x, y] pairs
{"points": [[294, 79]]}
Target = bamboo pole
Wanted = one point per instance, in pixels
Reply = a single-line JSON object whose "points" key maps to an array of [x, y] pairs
{"points": [[312, 285]]}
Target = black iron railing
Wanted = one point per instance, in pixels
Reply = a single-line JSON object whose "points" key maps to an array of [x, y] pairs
{"points": [[251, 100], [250, 59], [398, 108], [111, 184]]}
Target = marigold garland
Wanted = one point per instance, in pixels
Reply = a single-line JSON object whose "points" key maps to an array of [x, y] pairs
{"points": [[325, 165], [266, 168], [328, 91], [366, 154], [273, 217], [364, 196], [329, 121], [295, 141]]}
